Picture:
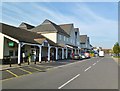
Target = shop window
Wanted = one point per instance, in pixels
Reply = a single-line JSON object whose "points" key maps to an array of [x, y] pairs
{"points": [[11, 52], [16, 53]]}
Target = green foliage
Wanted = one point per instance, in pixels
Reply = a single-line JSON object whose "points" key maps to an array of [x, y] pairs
{"points": [[116, 48]]}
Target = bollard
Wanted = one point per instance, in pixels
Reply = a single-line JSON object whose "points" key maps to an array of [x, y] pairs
{"points": [[35, 61], [28, 62], [19, 64]]}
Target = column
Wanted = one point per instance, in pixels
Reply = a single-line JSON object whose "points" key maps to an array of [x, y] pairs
{"points": [[56, 53], [49, 53], [66, 53], [19, 52], [78, 51], [40, 53], [72, 51], [75, 51], [62, 53]]}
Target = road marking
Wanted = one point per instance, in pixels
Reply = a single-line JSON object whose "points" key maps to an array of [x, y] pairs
{"points": [[87, 68], [12, 73], [35, 68], [94, 64], [97, 61], [68, 81], [13, 77], [25, 70]]}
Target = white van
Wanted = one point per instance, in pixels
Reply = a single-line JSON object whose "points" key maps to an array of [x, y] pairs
{"points": [[101, 53]]}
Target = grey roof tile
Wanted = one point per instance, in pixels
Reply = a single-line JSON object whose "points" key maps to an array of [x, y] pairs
{"points": [[23, 35], [48, 27]]}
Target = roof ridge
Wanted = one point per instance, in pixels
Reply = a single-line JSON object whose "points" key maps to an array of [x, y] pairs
{"points": [[65, 24]]}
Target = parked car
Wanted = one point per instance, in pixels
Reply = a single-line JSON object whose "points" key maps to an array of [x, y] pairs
{"points": [[76, 57], [87, 54], [82, 56]]}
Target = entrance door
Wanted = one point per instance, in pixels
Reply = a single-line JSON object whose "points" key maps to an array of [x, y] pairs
{"points": [[33, 54]]}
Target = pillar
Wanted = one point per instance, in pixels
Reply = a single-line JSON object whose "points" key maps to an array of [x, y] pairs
{"points": [[66, 53], [49, 53], [72, 50], [19, 52], [75, 51], [78, 51], [40, 53], [56, 53], [62, 53]]}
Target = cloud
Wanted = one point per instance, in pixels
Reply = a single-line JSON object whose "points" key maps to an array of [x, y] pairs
{"points": [[96, 27], [20, 14]]}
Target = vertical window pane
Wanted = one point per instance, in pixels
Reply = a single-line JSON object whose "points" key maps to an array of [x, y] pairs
{"points": [[10, 52]]}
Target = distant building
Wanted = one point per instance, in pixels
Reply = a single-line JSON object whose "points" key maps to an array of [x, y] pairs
{"points": [[85, 42]]}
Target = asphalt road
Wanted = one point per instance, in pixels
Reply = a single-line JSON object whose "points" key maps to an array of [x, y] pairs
{"points": [[94, 73]]}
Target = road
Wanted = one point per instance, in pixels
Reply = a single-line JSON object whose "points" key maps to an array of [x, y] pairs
{"points": [[94, 73]]}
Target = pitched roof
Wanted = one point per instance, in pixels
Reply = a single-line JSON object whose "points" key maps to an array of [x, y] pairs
{"points": [[23, 35], [66, 27], [83, 38], [48, 27], [26, 26]]}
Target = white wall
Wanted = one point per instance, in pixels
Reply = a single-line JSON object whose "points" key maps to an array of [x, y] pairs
{"points": [[1, 45], [51, 36]]}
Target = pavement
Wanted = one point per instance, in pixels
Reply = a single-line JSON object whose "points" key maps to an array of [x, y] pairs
{"points": [[25, 69], [117, 60], [94, 73]]}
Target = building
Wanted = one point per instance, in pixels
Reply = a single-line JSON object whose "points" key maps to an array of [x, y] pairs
{"points": [[15, 41], [47, 41], [64, 35], [85, 42]]}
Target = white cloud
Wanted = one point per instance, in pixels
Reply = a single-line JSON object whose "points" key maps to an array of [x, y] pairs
{"points": [[89, 23]]}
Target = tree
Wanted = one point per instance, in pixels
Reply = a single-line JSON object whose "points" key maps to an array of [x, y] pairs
{"points": [[116, 49]]}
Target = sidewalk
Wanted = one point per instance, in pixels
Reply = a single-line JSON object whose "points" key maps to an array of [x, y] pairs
{"points": [[43, 63], [4, 67], [117, 60]]}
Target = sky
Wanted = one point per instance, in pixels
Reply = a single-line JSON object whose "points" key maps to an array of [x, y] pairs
{"points": [[98, 20]]}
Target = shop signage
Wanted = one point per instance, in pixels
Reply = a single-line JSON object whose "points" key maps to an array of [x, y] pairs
{"points": [[11, 44]]}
